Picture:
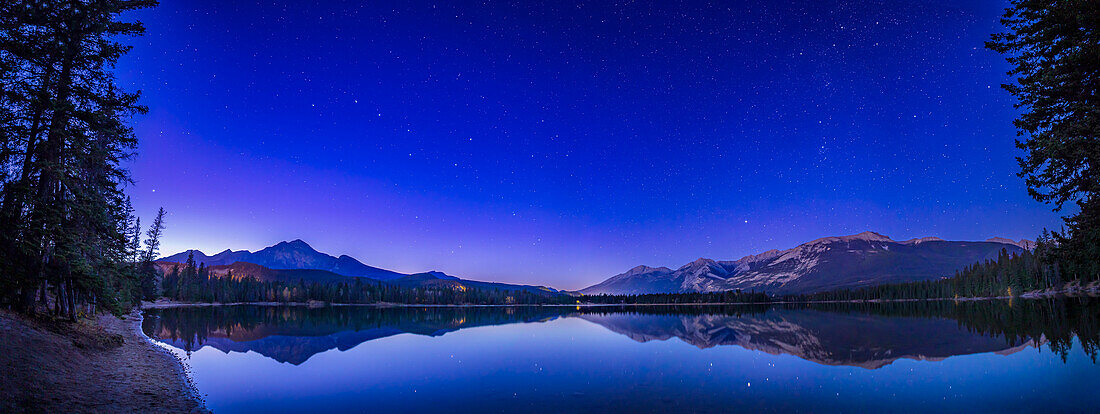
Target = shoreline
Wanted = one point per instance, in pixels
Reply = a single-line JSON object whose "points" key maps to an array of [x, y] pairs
{"points": [[178, 366], [98, 364], [1092, 293]]}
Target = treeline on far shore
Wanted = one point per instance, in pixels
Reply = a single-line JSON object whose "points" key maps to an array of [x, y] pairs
{"points": [[194, 283], [731, 296]]}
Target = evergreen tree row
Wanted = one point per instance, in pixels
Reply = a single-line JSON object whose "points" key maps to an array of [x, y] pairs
{"points": [[67, 234], [194, 283], [731, 296]]}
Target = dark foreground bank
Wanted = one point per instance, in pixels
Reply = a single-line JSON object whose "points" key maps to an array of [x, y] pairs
{"points": [[99, 365]]}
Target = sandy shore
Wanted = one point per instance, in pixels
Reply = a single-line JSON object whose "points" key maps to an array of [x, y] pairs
{"points": [[105, 365]]}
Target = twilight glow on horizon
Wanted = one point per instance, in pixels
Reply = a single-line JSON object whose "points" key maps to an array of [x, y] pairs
{"points": [[559, 144]]}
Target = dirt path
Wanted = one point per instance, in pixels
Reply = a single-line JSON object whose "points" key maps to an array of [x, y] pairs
{"points": [[100, 366]]}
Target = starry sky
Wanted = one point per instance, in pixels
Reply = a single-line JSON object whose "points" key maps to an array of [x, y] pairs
{"points": [[560, 144]]}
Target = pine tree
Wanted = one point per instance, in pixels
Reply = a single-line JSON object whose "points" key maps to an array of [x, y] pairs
{"points": [[152, 238], [1054, 48], [63, 138]]}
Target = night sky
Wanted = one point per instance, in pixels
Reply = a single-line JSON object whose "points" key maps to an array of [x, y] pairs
{"points": [[561, 144]]}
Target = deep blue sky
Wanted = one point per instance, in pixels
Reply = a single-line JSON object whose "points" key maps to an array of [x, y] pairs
{"points": [[560, 144]]}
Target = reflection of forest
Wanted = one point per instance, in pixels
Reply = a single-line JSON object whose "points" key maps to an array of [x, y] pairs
{"points": [[856, 339], [868, 335], [294, 334]]}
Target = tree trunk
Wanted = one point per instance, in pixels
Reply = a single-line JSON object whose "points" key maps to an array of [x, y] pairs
{"points": [[45, 215], [72, 300], [42, 294], [58, 298]]}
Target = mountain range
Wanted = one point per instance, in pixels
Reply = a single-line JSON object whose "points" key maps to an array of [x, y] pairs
{"points": [[829, 263], [295, 254], [296, 260]]}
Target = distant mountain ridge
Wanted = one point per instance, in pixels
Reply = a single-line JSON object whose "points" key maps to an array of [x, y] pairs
{"points": [[296, 260], [828, 263], [295, 254]]}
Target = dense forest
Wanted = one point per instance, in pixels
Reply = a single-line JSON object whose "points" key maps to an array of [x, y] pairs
{"points": [[193, 283], [67, 234], [732, 296]]}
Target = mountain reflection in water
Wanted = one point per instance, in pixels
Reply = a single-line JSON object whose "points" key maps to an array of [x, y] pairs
{"points": [[868, 335]]}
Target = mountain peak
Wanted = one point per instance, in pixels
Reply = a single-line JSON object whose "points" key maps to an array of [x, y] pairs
{"points": [[290, 255], [702, 265], [296, 244], [697, 264], [865, 236], [637, 270], [868, 235]]}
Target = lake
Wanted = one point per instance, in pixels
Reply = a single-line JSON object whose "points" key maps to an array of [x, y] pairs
{"points": [[1032, 355]]}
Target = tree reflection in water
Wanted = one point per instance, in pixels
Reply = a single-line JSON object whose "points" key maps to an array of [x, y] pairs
{"points": [[869, 335]]}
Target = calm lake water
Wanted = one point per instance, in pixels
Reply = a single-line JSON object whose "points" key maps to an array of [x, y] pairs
{"points": [[1030, 355]]}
